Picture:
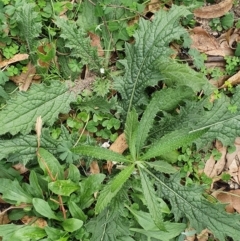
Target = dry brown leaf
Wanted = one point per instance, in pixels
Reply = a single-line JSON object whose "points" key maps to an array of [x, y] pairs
{"points": [[208, 168], [27, 219], [39, 222], [25, 79], [214, 11], [188, 237], [231, 156], [81, 84], [234, 80], [202, 41], [218, 82], [20, 168], [4, 218], [238, 177], [225, 37], [224, 49], [214, 168], [153, 6], [203, 236], [232, 198], [236, 199], [233, 168], [119, 146], [48, 50], [220, 52], [14, 59], [109, 166], [219, 166], [225, 198], [94, 168], [96, 42], [233, 39], [1, 200]]}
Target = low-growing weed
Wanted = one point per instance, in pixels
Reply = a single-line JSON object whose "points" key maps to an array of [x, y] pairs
{"points": [[223, 23], [232, 64]]}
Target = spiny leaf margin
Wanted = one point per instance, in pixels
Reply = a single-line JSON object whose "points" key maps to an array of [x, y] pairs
{"points": [[151, 199], [171, 141], [112, 188], [77, 40], [99, 153], [22, 148], [151, 42], [161, 101], [21, 112]]}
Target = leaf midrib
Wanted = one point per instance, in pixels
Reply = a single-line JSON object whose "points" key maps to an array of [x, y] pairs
{"points": [[185, 200], [143, 62]]}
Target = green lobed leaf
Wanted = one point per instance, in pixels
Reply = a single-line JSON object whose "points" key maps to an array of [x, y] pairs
{"points": [[12, 191], [151, 199], [151, 42], [65, 153], [112, 188], [99, 153], [40, 100], [72, 224], [171, 141], [162, 166], [161, 101], [188, 201], [43, 208], [63, 187], [49, 164], [77, 40], [130, 131]]}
